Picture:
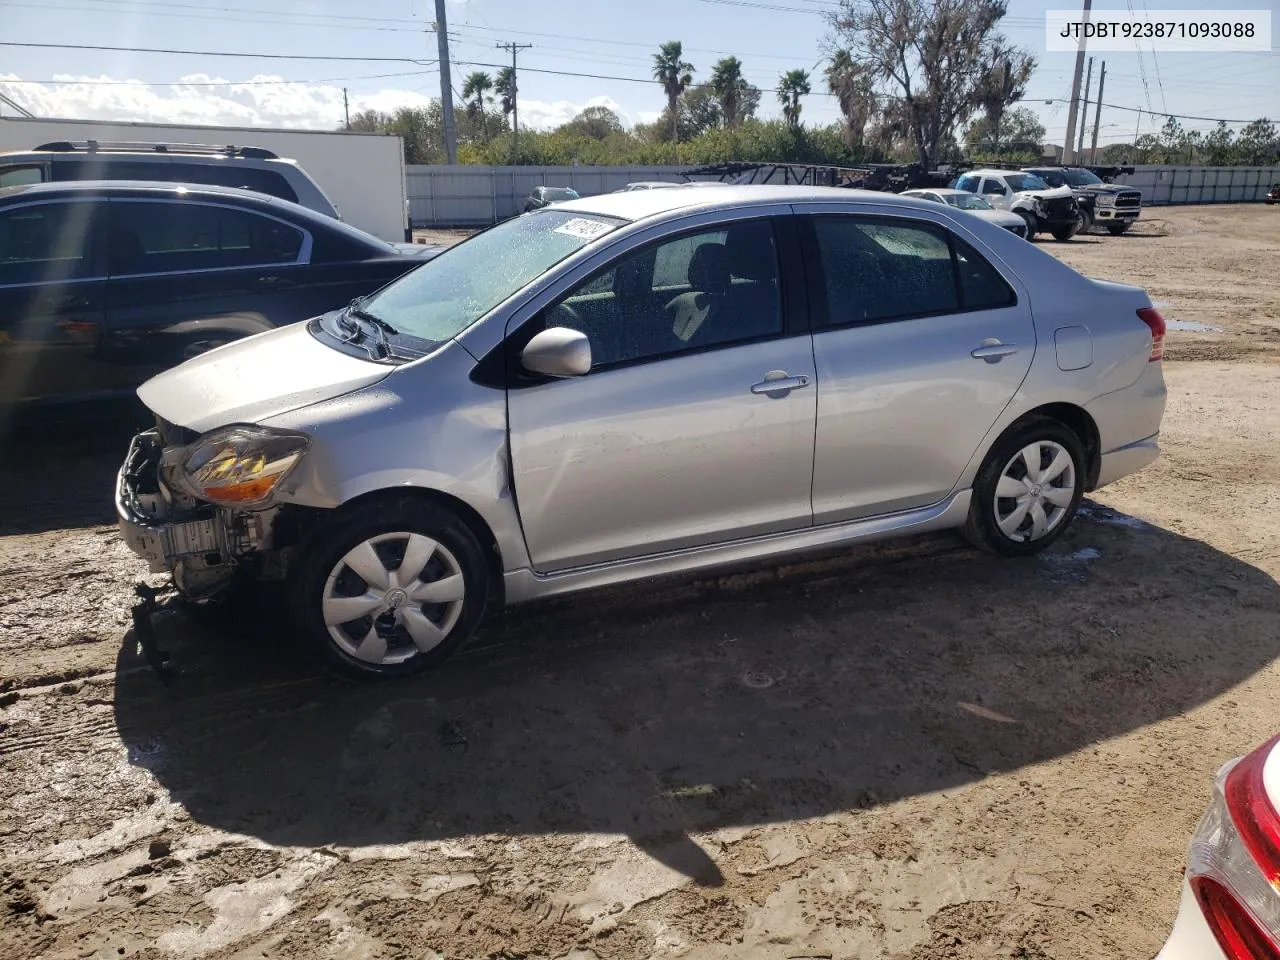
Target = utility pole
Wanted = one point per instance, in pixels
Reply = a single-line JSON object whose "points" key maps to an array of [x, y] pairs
{"points": [[1084, 111], [1068, 147], [346, 110], [514, 49], [446, 84], [1097, 114]]}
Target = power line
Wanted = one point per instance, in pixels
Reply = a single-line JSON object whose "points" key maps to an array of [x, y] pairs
{"points": [[278, 18], [204, 7], [209, 53], [218, 83]]}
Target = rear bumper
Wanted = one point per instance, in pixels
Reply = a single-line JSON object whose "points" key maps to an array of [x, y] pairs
{"points": [[1191, 938], [1127, 459]]}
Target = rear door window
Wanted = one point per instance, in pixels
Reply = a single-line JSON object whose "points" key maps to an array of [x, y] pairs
{"points": [[228, 173], [148, 237], [19, 174], [992, 187]]}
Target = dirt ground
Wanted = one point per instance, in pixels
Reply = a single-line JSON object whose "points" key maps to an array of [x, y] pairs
{"points": [[912, 751]]}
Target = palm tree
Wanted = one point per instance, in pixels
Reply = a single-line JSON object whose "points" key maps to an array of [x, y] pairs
{"points": [[728, 84], [793, 85], [851, 86], [475, 92], [505, 88], [675, 75]]}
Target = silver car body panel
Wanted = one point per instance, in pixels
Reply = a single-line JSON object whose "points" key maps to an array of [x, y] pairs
{"points": [[591, 496]]}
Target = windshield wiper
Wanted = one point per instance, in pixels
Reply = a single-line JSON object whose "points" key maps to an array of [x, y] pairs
{"points": [[386, 329]]}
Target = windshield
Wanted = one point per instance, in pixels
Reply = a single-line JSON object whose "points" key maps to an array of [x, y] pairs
{"points": [[559, 194], [1081, 178], [966, 201], [1025, 181], [444, 296]]}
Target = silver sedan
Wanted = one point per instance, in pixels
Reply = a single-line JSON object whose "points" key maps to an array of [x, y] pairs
{"points": [[638, 384]]}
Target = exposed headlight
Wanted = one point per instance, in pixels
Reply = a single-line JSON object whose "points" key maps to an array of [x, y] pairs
{"points": [[241, 465], [1041, 208], [1106, 199]]}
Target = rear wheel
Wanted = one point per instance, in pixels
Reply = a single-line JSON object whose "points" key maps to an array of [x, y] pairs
{"points": [[1028, 489], [1117, 228], [390, 589]]}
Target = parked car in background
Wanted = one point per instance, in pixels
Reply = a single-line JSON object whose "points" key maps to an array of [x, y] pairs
{"points": [[103, 284], [637, 384], [1101, 204], [1230, 907], [546, 196], [1042, 207], [249, 168], [647, 185], [1273, 195], [974, 204]]}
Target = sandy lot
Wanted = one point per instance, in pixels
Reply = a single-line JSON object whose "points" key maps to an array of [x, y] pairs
{"points": [[912, 751]]}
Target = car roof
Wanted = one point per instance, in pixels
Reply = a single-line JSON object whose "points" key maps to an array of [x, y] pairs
{"points": [[646, 204], [163, 156], [940, 191]]}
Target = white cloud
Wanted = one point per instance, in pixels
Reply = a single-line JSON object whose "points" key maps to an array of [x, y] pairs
{"points": [[268, 102]]}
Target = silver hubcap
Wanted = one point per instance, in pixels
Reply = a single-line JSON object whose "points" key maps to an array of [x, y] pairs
{"points": [[392, 597], [1034, 491]]}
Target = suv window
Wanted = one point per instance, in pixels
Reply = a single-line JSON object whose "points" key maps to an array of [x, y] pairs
{"points": [[230, 173], [879, 270], [170, 237], [967, 183], [712, 288], [991, 187], [16, 175], [46, 242]]}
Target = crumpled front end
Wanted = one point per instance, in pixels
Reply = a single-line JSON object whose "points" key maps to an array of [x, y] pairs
{"points": [[200, 544]]}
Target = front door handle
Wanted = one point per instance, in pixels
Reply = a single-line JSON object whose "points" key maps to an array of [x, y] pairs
{"points": [[993, 351], [778, 383]]}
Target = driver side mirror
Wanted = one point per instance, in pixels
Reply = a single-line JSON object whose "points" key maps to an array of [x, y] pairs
{"points": [[558, 352]]}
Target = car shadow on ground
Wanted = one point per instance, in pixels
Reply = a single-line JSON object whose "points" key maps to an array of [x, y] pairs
{"points": [[58, 467], [670, 709]]}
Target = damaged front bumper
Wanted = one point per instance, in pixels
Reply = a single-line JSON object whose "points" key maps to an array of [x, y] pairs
{"points": [[197, 543]]}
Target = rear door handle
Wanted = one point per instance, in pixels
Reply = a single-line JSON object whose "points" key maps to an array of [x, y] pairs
{"points": [[779, 383], [993, 351]]}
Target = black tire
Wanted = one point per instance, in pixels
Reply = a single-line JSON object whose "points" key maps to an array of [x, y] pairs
{"points": [[981, 528], [1117, 228], [1030, 221], [330, 542], [1086, 222], [1063, 234]]}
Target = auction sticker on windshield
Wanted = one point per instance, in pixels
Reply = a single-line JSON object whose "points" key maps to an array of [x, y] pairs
{"points": [[584, 228]]}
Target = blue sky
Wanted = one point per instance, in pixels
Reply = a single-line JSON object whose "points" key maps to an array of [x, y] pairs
{"points": [[603, 37]]}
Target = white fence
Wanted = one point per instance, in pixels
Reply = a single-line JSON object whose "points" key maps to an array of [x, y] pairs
{"points": [[1177, 185], [466, 195]]}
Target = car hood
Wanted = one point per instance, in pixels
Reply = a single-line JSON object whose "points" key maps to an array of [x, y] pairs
{"points": [[1001, 218], [1051, 194], [256, 378]]}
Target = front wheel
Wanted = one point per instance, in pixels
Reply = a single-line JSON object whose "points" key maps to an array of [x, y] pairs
{"points": [[1085, 222], [1030, 221], [1027, 490], [1063, 234], [389, 589], [1117, 228]]}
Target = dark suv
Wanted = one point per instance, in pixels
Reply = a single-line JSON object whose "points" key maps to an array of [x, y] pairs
{"points": [[103, 284], [1101, 204]]}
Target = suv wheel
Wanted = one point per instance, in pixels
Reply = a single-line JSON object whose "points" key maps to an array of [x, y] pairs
{"points": [[389, 589], [1063, 234], [1086, 222], [1117, 228], [1028, 489], [1029, 220]]}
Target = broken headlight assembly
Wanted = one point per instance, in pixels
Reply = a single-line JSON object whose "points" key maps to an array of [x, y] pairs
{"points": [[241, 466]]}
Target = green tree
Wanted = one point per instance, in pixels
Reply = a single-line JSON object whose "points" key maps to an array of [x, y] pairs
{"points": [[1003, 83], [1258, 144], [1219, 146], [937, 59], [851, 85], [730, 88], [594, 123], [369, 121], [475, 91], [672, 71], [505, 88], [1019, 137], [793, 85]]}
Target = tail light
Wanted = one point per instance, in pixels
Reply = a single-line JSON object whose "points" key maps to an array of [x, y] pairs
{"points": [[1233, 866], [1152, 318]]}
